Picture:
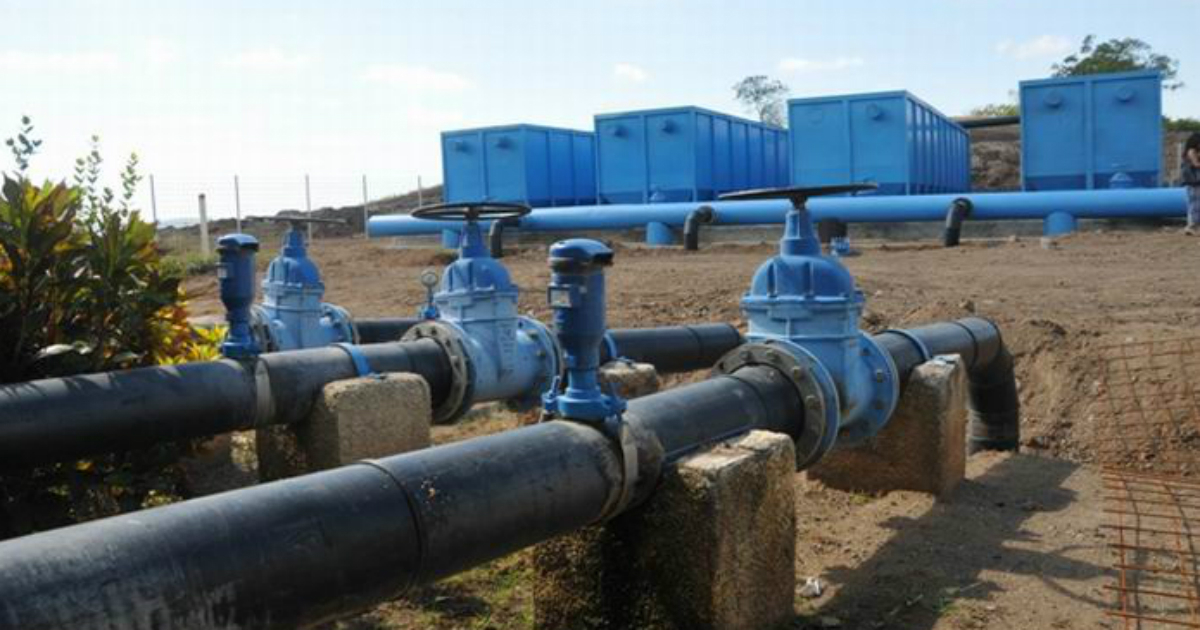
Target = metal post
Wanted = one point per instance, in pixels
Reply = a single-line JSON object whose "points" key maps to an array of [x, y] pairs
{"points": [[366, 213], [308, 205], [204, 251], [153, 201], [237, 203], [420, 193]]}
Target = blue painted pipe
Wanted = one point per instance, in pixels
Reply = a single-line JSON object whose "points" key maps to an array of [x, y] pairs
{"points": [[1080, 204]]}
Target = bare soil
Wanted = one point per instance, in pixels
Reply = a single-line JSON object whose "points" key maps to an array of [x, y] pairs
{"points": [[1017, 546]]}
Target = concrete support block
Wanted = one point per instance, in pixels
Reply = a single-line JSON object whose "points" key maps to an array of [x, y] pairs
{"points": [[923, 446], [713, 549], [355, 419], [630, 380]]}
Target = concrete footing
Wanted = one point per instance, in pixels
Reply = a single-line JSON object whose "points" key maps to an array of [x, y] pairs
{"points": [[713, 549], [630, 380], [355, 419], [923, 446]]}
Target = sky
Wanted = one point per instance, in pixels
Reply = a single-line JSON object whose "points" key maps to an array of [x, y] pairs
{"points": [[274, 90]]}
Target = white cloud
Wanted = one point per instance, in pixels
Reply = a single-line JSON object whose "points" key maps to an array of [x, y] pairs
{"points": [[629, 73], [21, 61], [1036, 48], [805, 66], [267, 60], [418, 78], [161, 53]]}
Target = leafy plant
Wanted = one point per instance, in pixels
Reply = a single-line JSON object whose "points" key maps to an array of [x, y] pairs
{"points": [[1118, 55], [82, 285], [23, 147]]}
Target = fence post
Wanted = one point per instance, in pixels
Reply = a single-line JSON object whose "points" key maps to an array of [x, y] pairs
{"points": [[420, 193], [237, 202], [203, 227], [308, 206], [153, 202], [366, 201]]}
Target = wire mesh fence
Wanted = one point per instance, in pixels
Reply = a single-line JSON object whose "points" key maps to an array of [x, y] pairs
{"points": [[1148, 444], [174, 200]]}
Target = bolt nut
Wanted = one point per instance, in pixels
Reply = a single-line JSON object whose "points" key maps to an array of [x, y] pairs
{"points": [[797, 374], [880, 376], [811, 401]]}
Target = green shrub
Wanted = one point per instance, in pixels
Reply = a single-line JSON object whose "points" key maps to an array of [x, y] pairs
{"points": [[82, 285], [83, 288]]}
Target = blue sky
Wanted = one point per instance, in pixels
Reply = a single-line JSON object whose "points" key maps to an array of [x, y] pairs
{"points": [[272, 90]]}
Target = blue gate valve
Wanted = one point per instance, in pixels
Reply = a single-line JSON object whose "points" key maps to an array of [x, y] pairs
{"points": [[494, 353], [576, 295], [235, 275], [803, 310], [292, 315]]}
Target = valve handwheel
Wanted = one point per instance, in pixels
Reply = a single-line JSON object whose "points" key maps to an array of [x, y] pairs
{"points": [[471, 211], [798, 195]]}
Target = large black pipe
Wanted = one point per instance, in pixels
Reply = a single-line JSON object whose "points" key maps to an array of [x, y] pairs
{"points": [[958, 212], [383, 329], [993, 121], [992, 401], [66, 418], [303, 551], [672, 349], [691, 226]]}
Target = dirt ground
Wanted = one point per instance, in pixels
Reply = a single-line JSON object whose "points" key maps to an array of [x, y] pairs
{"points": [[1018, 545]]}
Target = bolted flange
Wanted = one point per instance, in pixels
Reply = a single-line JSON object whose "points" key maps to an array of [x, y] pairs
{"points": [[814, 387], [462, 377]]}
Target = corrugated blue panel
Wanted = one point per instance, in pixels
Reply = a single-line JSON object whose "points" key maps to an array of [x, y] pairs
{"points": [[538, 166], [683, 154], [1077, 132], [890, 138]]}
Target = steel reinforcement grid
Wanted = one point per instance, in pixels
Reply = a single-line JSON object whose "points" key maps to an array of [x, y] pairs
{"points": [[1147, 419]]}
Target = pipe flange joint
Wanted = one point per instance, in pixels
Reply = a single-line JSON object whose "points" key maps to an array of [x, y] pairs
{"points": [[814, 385], [548, 352], [876, 407], [462, 373]]}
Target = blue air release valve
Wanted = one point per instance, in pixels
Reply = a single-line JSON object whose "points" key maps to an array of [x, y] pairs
{"points": [[576, 295], [292, 315], [235, 274], [803, 311], [494, 353]]}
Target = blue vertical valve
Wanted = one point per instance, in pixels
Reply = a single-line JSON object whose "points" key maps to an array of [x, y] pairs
{"points": [[293, 314], [806, 306], [576, 295], [494, 352], [235, 274]]}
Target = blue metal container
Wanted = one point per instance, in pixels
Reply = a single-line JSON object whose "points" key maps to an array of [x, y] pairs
{"points": [[685, 154], [537, 166], [890, 138], [1078, 132]]}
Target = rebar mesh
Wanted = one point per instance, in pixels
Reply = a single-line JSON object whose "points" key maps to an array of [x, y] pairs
{"points": [[1148, 445]]}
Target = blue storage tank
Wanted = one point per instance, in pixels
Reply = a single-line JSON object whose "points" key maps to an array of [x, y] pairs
{"points": [[530, 164], [1077, 132], [685, 154], [893, 139]]}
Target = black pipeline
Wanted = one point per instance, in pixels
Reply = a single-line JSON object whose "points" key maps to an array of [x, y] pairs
{"points": [[992, 400], [66, 418], [303, 551], [60, 419]]}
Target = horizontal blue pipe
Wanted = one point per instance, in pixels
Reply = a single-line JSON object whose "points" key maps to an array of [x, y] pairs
{"points": [[1082, 204]]}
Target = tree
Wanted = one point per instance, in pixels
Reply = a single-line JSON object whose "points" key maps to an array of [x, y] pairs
{"points": [[1118, 55], [763, 96]]}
